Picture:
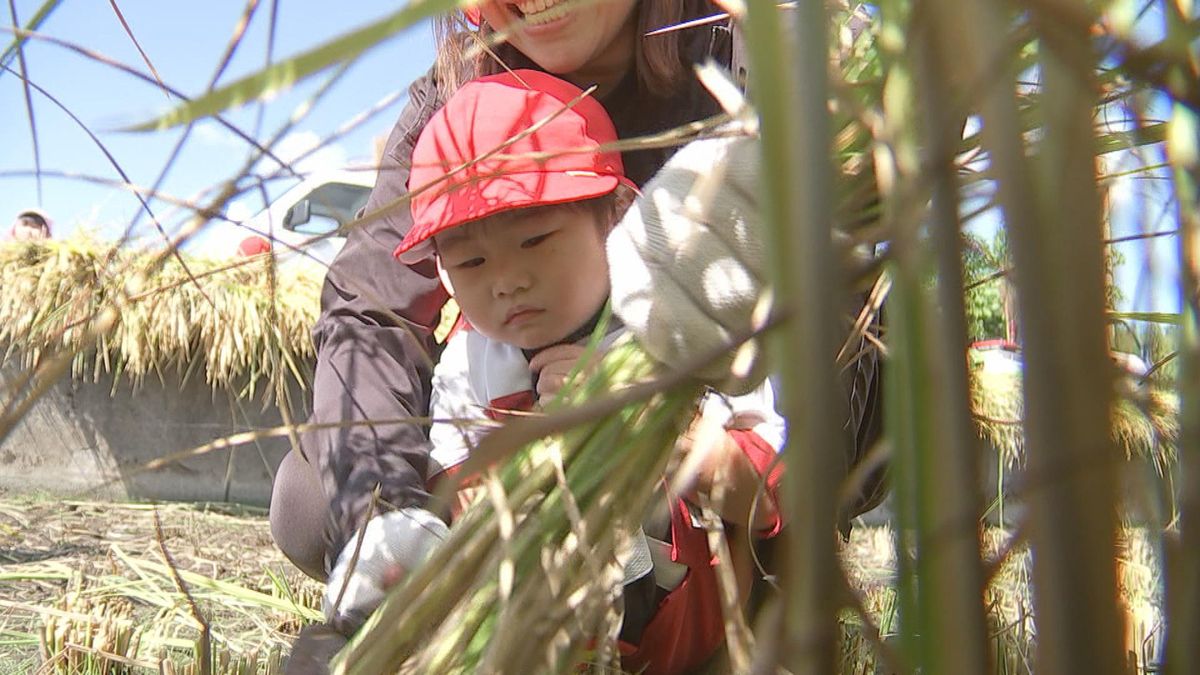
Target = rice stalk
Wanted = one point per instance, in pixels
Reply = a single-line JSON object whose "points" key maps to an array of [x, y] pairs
{"points": [[1146, 429], [221, 660], [1069, 381], [791, 89], [93, 636], [543, 575], [936, 458], [232, 594], [1183, 153], [283, 74]]}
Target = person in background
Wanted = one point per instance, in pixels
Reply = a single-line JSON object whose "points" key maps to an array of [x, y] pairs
{"points": [[31, 225]]}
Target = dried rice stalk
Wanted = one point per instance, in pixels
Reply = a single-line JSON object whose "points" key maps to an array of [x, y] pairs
{"points": [[167, 323], [536, 595], [89, 634], [1144, 428]]}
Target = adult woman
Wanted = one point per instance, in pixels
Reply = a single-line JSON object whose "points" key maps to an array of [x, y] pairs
{"points": [[373, 337]]}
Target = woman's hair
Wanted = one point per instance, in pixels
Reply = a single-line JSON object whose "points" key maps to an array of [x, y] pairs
{"points": [[657, 61]]}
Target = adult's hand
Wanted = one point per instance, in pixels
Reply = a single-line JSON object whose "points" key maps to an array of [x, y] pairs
{"points": [[392, 544], [687, 260]]}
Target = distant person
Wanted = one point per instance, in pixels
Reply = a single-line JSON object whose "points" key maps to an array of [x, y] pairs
{"points": [[254, 245], [31, 225]]}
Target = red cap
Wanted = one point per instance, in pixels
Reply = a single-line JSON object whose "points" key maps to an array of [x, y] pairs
{"points": [[254, 245], [482, 116]]}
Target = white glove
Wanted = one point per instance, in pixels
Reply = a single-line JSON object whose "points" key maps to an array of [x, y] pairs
{"points": [[396, 541], [687, 262]]}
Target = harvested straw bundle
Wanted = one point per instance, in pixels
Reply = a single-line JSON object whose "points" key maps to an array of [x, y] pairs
{"points": [[230, 322], [1146, 428]]}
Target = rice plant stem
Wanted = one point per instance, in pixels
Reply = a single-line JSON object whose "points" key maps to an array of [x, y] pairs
{"points": [[1068, 380], [138, 46], [790, 89], [109, 656], [893, 660], [29, 114], [739, 641], [1183, 569], [22, 34], [950, 537], [120, 171], [204, 645]]}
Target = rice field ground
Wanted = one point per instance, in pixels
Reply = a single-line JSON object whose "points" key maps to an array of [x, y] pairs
{"points": [[80, 581], [85, 587]]}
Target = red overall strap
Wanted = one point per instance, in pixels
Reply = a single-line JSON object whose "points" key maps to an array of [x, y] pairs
{"points": [[519, 401], [688, 627]]}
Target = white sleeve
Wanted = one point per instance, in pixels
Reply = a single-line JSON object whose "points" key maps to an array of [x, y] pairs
{"points": [[458, 417], [754, 410]]}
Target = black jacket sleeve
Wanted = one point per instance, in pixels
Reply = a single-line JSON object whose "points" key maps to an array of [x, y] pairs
{"points": [[374, 349]]}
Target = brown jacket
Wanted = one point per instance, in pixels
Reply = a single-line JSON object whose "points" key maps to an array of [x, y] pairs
{"points": [[374, 346], [373, 338]]}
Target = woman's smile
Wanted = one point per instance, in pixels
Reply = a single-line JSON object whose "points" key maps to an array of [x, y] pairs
{"points": [[537, 13]]}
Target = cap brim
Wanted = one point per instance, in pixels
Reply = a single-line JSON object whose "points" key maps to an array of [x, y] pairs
{"points": [[495, 194]]}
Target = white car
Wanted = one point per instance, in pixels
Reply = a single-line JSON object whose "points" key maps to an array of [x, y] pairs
{"points": [[306, 224]]}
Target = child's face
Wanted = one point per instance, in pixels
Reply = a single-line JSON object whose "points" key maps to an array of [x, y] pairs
{"points": [[527, 278]]}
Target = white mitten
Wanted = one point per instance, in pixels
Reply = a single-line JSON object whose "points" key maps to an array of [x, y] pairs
{"points": [[687, 262], [393, 541]]}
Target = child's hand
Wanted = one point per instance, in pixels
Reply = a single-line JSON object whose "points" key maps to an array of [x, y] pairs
{"points": [[551, 366], [393, 544]]}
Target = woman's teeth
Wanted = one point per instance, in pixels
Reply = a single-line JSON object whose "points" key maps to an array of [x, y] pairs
{"points": [[542, 11]]}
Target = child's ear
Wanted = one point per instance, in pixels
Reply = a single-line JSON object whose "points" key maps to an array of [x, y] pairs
{"points": [[444, 275], [624, 199]]}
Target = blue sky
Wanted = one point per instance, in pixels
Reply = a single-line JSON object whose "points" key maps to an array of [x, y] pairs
{"points": [[184, 42], [1139, 201]]}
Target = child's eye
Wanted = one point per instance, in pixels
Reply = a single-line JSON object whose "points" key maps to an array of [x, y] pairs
{"points": [[470, 264], [534, 241]]}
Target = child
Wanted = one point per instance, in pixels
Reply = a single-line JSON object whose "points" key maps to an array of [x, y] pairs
{"points": [[513, 196]]}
